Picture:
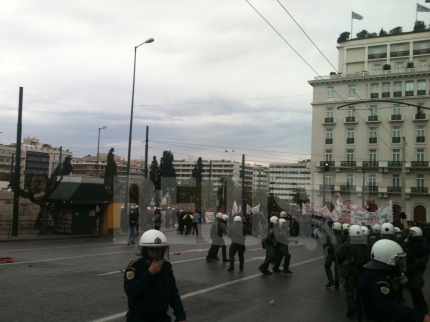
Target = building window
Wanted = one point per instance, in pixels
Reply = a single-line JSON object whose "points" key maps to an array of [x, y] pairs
{"points": [[327, 179], [377, 50], [396, 155], [373, 110], [422, 45], [351, 90], [420, 180], [377, 67], [396, 131], [385, 87], [423, 64], [396, 109], [350, 133], [420, 131], [328, 155], [374, 88], [350, 179], [330, 112], [396, 180], [421, 87], [409, 86], [372, 180], [330, 92], [420, 155], [349, 155], [400, 48], [400, 67], [351, 111], [329, 134], [372, 155], [397, 86]]}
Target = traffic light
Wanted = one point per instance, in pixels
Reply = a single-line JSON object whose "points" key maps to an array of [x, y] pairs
{"points": [[326, 167]]}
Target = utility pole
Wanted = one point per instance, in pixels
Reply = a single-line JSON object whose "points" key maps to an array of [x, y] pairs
{"points": [[17, 166], [363, 189], [209, 187], [146, 152], [403, 185], [323, 188], [243, 185], [59, 164]]}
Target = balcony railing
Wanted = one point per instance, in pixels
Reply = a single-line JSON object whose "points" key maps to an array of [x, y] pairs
{"points": [[397, 94], [420, 163], [409, 93], [374, 95], [377, 56], [373, 118], [370, 163], [373, 140], [396, 117], [385, 94], [395, 139], [330, 163], [394, 163], [421, 139], [421, 92], [419, 190], [394, 189], [349, 140], [420, 116], [347, 187], [328, 187], [399, 53], [421, 51], [350, 119], [371, 188], [348, 163], [329, 120], [328, 141]]}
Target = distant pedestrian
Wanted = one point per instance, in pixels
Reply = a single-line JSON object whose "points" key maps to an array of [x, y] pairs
{"points": [[132, 226], [196, 221], [188, 222]]}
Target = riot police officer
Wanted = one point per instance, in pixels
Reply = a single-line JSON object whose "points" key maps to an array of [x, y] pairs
{"points": [[282, 235], [237, 232], [333, 243], [270, 243], [149, 282]]}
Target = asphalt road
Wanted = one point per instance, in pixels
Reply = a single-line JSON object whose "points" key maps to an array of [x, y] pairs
{"points": [[81, 280]]}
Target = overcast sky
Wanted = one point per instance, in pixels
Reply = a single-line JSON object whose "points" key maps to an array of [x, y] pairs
{"points": [[217, 75]]}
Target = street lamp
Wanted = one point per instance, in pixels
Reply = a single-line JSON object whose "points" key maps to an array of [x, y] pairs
{"points": [[98, 146], [127, 180]]}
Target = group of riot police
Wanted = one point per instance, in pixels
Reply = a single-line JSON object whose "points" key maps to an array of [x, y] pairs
{"points": [[375, 264]]}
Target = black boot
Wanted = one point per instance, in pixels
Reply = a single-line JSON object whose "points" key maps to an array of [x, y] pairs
{"points": [[330, 283], [264, 270], [230, 269]]}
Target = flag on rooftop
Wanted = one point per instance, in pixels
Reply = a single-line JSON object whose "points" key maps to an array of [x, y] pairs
{"points": [[356, 16], [421, 8], [225, 150], [233, 150]]}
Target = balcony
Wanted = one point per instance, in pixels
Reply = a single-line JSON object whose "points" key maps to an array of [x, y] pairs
{"points": [[350, 141], [385, 94], [371, 189], [396, 117], [394, 189], [421, 139], [421, 117], [348, 163], [328, 141], [421, 92], [370, 163], [419, 190], [373, 140], [399, 53], [330, 163], [347, 187], [409, 93], [377, 56], [374, 95], [421, 51], [328, 187], [419, 163], [373, 118], [395, 139], [394, 163], [397, 94], [329, 120], [350, 119]]}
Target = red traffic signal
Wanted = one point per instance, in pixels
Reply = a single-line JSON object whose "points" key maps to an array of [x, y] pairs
{"points": [[326, 167]]}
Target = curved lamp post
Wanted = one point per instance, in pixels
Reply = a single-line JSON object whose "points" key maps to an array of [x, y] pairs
{"points": [[98, 146], [127, 178]]}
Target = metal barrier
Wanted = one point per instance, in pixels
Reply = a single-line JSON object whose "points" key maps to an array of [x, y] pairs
{"points": [[26, 227]]}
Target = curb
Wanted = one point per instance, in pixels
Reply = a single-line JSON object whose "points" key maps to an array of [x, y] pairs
{"points": [[20, 239]]}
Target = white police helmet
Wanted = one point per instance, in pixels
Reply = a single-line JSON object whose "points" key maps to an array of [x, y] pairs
{"points": [[153, 238], [219, 215], [416, 232], [355, 230], [283, 214], [274, 219], [345, 226], [337, 226], [365, 231], [237, 218], [376, 228], [397, 230], [387, 229], [225, 217], [385, 254], [282, 222]]}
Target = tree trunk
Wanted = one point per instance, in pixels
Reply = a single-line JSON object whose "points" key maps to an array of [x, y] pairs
{"points": [[44, 218]]}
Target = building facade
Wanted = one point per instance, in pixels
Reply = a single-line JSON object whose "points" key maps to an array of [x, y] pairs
{"points": [[363, 141], [284, 178]]}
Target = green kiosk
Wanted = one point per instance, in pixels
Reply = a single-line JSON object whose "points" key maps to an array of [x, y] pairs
{"points": [[76, 202]]}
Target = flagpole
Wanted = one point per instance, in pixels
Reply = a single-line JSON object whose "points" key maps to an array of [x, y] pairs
{"points": [[416, 13], [351, 26]]}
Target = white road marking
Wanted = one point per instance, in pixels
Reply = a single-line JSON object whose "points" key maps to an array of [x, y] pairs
{"points": [[122, 314], [47, 248]]}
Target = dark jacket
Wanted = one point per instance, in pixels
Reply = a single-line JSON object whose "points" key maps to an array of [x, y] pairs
{"points": [[133, 218], [237, 232], [149, 296], [270, 238], [355, 253], [375, 302]]}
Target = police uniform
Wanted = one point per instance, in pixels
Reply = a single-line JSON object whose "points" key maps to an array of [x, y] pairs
{"points": [[270, 245], [237, 232], [282, 235], [332, 247]]}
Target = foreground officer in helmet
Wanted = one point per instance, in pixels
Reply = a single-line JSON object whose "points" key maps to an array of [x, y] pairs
{"points": [[282, 236], [374, 297], [270, 243], [149, 283], [237, 232]]}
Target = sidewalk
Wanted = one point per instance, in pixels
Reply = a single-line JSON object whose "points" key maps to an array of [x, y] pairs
{"points": [[33, 237]]}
